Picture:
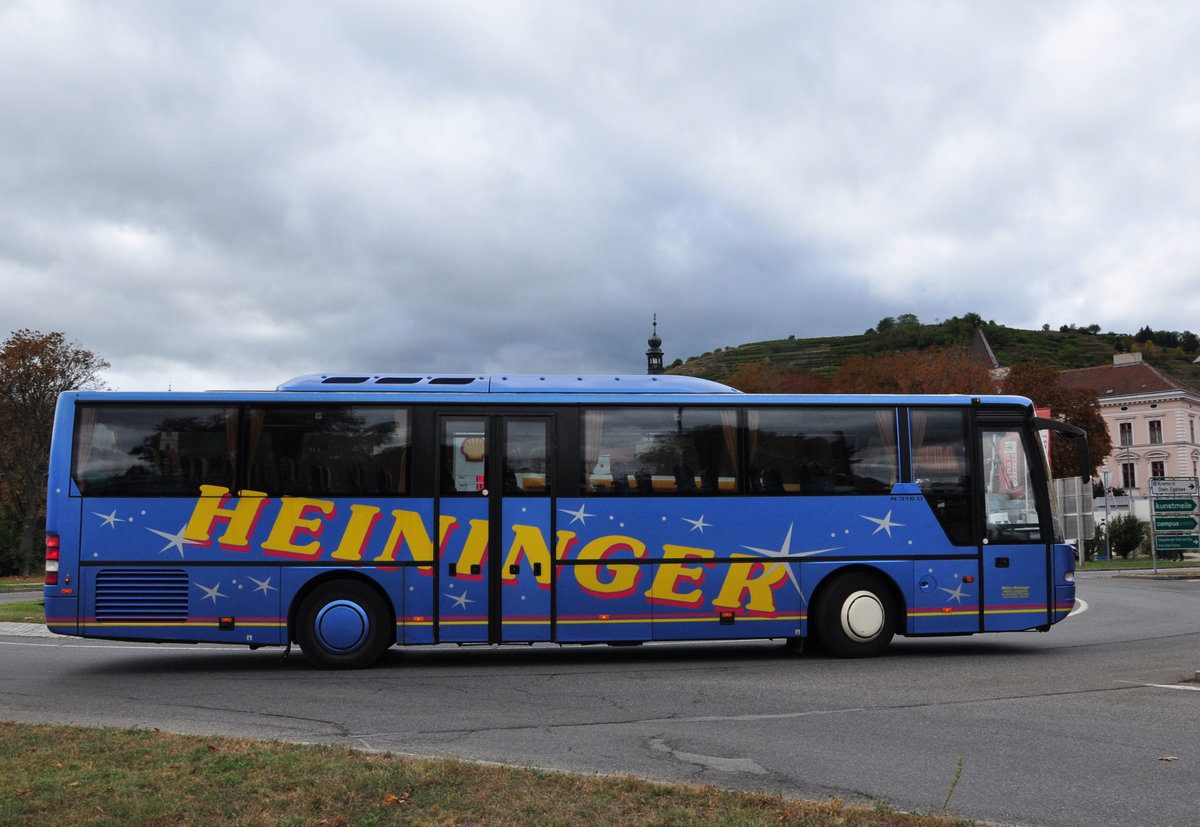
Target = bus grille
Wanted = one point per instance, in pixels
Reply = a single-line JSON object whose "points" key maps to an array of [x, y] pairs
{"points": [[141, 594]]}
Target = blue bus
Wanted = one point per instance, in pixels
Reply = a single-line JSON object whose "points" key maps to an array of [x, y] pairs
{"points": [[349, 513]]}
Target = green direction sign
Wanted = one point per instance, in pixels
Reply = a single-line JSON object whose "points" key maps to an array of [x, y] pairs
{"points": [[1176, 523], [1174, 506], [1177, 542]]}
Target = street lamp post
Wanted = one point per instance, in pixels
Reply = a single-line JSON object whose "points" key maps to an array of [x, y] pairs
{"points": [[1106, 477]]}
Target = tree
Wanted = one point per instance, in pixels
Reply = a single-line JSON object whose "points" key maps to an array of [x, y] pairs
{"points": [[763, 377], [930, 371], [1077, 406], [34, 369], [756, 377]]}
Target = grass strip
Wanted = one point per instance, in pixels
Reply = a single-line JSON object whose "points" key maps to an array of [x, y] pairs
{"points": [[26, 611], [57, 775]]}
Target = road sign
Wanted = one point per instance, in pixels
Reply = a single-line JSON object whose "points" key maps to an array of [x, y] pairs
{"points": [[1176, 523], [1173, 486], [1177, 542], [1180, 505]]}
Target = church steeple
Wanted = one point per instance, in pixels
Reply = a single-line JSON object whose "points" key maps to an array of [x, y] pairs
{"points": [[654, 356]]}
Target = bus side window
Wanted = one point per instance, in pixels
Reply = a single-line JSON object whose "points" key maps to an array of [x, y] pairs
{"points": [[939, 467], [659, 450], [821, 451], [328, 450], [152, 450]]}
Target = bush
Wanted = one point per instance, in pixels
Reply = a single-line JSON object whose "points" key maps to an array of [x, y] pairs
{"points": [[1126, 534]]}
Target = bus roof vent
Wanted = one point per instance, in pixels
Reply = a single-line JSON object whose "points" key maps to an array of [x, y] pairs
{"points": [[384, 381], [507, 383], [604, 383]]}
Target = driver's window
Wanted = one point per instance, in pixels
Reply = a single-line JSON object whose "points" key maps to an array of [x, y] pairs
{"points": [[1010, 498]]}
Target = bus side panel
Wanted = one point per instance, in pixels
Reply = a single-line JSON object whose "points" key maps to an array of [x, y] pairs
{"points": [[414, 607], [713, 567], [465, 597], [603, 599], [142, 530], [195, 604], [726, 600], [945, 598]]}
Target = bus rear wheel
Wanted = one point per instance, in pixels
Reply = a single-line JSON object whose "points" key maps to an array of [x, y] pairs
{"points": [[343, 624], [855, 617]]}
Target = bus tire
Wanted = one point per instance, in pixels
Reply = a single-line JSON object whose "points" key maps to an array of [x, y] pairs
{"points": [[855, 616], [343, 624]]}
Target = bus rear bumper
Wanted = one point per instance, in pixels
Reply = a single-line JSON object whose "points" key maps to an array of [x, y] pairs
{"points": [[62, 615]]}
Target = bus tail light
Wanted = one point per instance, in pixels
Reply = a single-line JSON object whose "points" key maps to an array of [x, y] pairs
{"points": [[51, 559]]}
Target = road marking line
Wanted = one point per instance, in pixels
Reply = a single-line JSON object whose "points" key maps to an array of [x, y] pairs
{"points": [[1164, 686]]}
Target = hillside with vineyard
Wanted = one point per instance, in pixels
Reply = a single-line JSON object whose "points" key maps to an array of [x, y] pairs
{"points": [[1068, 347]]}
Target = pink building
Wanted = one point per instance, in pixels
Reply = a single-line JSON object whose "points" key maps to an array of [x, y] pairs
{"points": [[1154, 421]]}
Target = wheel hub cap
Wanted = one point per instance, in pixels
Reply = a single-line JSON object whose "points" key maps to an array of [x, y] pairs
{"points": [[862, 616], [342, 626]]}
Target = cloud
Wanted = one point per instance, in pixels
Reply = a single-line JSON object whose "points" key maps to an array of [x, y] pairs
{"points": [[230, 194]]}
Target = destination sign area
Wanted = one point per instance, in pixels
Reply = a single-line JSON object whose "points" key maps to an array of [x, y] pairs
{"points": [[1173, 486], [1175, 527]]}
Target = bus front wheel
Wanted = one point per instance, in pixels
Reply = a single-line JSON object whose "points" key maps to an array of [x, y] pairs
{"points": [[343, 624], [855, 617]]}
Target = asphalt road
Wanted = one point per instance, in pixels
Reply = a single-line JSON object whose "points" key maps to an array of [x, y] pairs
{"points": [[1093, 723]]}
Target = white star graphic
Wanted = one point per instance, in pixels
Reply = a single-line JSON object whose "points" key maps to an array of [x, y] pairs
{"points": [[263, 586], [697, 525], [212, 593], [175, 541], [957, 594], [785, 553], [459, 600], [884, 524], [577, 516], [108, 519]]}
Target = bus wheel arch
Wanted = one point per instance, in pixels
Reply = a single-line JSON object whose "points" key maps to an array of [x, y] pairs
{"points": [[342, 621], [856, 612]]}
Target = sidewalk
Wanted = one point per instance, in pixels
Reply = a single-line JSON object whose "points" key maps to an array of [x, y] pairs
{"points": [[25, 630]]}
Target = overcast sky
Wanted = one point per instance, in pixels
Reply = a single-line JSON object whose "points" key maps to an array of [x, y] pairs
{"points": [[228, 194]]}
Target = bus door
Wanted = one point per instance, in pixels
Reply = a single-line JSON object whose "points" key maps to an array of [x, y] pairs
{"points": [[1016, 548], [494, 514]]}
